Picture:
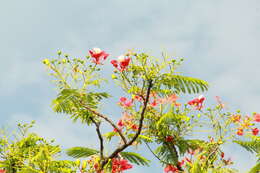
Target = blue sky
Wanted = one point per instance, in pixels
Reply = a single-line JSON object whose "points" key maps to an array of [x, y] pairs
{"points": [[218, 39]]}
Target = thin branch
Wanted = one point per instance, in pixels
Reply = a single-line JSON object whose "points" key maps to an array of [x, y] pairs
{"points": [[97, 124], [109, 121], [121, 148]]}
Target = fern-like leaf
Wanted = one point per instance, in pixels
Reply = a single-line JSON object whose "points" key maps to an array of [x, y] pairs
{"points": [[251, 146], [79, 152], [188, 84], [135, 158], [166, 154]]}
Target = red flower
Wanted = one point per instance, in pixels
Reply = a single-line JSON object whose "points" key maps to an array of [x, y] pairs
{"points": [[119, 165], [197, 102], [2, 171], [138, 98], [120, 123], [98, 55], [122, 99], [114, 63], [255, 131], [169, 138], [222, 155], [171, 168], [240, 132], [134, 127], [122, 63], [154, 103], [126, 102], [257, 117]]}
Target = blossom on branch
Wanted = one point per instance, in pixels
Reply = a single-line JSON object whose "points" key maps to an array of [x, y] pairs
{"points": [[171, 169], [120, 165], [98, 55], [257, 117], [125, 102], [121, 63], [255, 131], [197, 102]]}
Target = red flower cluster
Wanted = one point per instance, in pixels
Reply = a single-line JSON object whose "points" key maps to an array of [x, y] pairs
{"points": [[255, 131], [126, 121], [240, 132], [120, 165], [2, 171], [171, 169], [98, 55], [122, 63], [246, 123], [171, 99], [257, 118], [126, 102], [197, 102]]}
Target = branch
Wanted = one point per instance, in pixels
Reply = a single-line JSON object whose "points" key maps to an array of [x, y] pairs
{"points": [[109, 121], [175, 151], [121, 148], [97, 124]]}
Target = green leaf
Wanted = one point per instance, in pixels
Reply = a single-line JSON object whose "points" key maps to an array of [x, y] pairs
{"points": [[189, 84], [135, 158], [109, 135], [79, 152], [251, 146]]}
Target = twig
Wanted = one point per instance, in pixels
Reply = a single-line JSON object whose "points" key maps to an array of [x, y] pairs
{"points": [[109, 121], [97, 124]]}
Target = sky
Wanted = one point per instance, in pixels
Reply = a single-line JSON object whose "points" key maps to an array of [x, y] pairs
{"points": [[218, 39]]}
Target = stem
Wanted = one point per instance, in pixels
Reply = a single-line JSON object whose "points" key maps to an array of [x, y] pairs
{"points": [[97, 124], [109, 121]]}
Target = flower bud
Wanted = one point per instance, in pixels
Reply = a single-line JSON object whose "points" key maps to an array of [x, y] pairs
{"points": [[46, 62], [84, 164], [59, 52], [114, 76], [77, 162]]}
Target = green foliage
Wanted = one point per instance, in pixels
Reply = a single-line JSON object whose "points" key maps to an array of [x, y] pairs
{"points": [[184, 145], [183, 84], [135, 158], [109, 135], [80, 152], [71, 101], [163, 122], [255, 169], [28, 152], [252, 146], [167, 154]]}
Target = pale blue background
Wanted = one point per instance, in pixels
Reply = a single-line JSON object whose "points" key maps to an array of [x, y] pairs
{"points": [[219, 40]]}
